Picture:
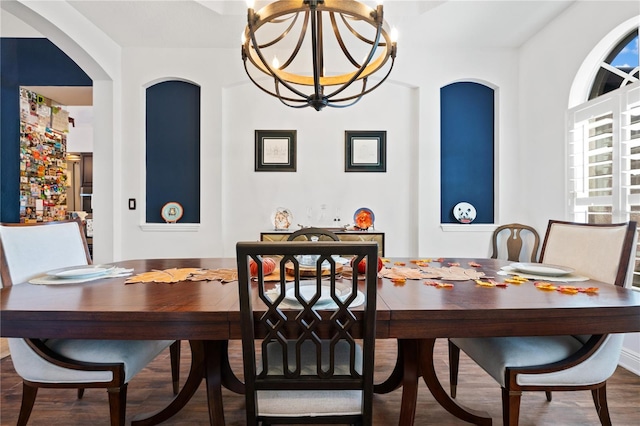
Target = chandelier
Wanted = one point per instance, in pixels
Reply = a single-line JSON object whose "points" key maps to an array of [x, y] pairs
{"points": [[345, 36]]}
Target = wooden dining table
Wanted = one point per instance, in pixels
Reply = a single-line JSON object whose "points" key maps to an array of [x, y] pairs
{"points": [[415, 312]]}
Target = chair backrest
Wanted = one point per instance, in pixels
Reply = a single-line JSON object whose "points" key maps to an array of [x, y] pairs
{"points": [[30, 250], [305, 234], [511, 235], [311, 309], [603, 252]]}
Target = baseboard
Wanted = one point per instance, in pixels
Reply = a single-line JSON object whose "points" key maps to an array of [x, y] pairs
{"points": [[630, 360]]}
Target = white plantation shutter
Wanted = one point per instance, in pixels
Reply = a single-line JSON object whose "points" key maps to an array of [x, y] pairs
{"points": [[604, 158]]}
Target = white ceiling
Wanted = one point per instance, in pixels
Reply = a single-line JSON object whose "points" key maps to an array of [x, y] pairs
{"points": [[219, 23]]}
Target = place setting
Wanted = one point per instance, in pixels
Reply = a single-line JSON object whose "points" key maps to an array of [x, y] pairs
{"points": [[308, 290], [306, 269], [542, 271], [80, 274]]}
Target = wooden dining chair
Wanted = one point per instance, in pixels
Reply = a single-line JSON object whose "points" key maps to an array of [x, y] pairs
{"points": [[546, 363], [306, 234], [28, 251], [308, 340], [518, 239]]}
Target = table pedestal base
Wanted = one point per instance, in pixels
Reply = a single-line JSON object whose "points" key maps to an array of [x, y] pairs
{"points": [[415, 359], [209, 360]]}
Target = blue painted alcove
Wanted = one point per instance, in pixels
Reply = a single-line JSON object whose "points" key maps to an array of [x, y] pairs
{"points": [[173, 149], [467, 150]]}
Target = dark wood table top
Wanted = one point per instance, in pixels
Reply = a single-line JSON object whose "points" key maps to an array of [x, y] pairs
{"points": [[204, 310]]}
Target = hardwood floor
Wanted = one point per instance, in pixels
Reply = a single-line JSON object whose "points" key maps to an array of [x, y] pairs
{"points": [[150, 390]]}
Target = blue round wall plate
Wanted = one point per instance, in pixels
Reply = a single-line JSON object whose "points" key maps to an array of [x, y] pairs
{"points": [[364, 218], [172, 212]]}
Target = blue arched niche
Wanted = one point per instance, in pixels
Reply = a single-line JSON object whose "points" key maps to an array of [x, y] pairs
{"points": [[467, 135], [173, 149]]}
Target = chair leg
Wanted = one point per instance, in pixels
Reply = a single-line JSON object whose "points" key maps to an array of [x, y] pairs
{"points": [[28, 398], [80, 393], [118, 405], [600, 400], [174, 349], [454, 363], [510, 407], [548, 394]]}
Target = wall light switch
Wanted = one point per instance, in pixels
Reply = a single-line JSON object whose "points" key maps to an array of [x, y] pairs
{"points": [[132, 203]]}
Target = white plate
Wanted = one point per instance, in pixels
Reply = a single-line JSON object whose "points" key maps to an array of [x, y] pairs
{"points": [[84, 271], [307, 292], [340, 260], [542, 269]]}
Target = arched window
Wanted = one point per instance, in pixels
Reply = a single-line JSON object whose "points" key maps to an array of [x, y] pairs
{"points": [[603, 137], [620, 67]]}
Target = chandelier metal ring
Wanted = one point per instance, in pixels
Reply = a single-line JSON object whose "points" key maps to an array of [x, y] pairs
{"points": [[288, 85]]}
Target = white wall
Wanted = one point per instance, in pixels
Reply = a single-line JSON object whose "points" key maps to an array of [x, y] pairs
{"points": [[80, 136], [237, 202]]}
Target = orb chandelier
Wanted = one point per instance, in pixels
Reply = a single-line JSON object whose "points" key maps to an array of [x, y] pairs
{"points": [[332, 48]]}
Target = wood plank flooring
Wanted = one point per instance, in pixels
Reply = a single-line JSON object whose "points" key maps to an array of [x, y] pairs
{"points": [[150, 390]]}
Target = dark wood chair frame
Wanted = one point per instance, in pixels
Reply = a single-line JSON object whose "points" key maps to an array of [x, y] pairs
{"points": [[515, 242], [511, 394], [264, 319], [116, 388], [313, 232]]}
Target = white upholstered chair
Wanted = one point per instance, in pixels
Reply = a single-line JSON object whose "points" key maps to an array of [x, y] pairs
{"points": [[546, 363], [66, 363], [308, 363]]}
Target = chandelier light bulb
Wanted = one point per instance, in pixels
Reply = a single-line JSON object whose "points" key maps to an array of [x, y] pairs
{"points": [[275, 63], [394, 35]]}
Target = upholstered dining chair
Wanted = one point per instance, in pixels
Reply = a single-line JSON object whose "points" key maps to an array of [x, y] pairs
{"points": [[67, 363], [546, 363], [308, 340], [306, 234], [512, 235]]}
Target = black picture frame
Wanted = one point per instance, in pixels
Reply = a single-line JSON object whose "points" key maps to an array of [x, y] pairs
{"points": [[365, 151], [275, 151]]}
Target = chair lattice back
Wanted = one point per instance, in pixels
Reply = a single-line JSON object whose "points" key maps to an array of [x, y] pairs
{"points": [[314, 327]]}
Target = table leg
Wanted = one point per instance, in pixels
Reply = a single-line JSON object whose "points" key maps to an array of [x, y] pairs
{"points": [[196, 374], [410, 377], [213, 355], [427, 369]]}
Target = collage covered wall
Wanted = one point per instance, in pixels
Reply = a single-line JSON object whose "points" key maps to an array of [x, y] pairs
{"points": [[43, 166]]}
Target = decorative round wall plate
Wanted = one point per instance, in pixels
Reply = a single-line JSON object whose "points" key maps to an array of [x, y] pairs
{"points": [[282, 219], [464, 212], [364, 218], [171, 212]]}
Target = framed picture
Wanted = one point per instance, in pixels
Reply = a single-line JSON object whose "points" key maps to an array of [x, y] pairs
{"points": [[365, 151], [275, 151]]}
